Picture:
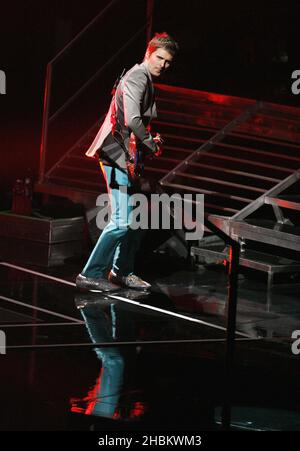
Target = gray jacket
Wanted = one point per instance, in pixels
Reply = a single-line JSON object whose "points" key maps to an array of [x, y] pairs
{"points": [[135, 107]]}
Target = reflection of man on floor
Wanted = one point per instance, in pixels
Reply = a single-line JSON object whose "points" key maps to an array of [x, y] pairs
{"points": [[106, 328]]}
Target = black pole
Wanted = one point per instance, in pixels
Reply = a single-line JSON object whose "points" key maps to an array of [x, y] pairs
{"points": [[231, 321], [230, 339]]}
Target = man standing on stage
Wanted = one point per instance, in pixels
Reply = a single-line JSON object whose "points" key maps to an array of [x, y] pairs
{"points": [[111, 263]]}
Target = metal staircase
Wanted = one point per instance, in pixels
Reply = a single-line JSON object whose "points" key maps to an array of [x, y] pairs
{"points": [[272, 220], [187, 119], [238, 152], [248, 171]]}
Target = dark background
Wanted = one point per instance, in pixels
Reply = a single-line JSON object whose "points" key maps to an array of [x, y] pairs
{"points": [[246, 49]]}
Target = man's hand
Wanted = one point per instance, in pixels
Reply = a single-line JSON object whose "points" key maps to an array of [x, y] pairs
{"points": [[159, 145]]}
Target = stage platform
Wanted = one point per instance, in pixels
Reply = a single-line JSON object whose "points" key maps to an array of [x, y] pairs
{"points": [[129, 360]]}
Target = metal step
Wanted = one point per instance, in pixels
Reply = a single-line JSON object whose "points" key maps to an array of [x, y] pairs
{"points": [[267, 231], [284, 202], [260, 261]]}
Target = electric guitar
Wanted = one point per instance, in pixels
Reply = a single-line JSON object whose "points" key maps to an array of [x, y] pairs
{"points": [[134, 161]]}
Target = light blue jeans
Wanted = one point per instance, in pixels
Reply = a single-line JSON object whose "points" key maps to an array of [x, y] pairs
{"points": [[118, 243]]}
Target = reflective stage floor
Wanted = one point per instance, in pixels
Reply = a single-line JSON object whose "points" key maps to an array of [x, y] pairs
{"points": [[146, 361]]}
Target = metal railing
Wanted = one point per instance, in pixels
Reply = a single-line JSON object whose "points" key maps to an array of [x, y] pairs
{"points": [[106, 36]]}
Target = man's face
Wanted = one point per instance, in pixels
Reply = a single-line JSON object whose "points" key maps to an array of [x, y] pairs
{"points": [[158, 62]]}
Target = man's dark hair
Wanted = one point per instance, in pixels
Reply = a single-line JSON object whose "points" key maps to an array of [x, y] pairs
{"points": [[162, 41]]}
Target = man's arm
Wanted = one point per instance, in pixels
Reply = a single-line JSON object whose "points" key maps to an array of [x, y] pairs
{"points": [[133, 93]]}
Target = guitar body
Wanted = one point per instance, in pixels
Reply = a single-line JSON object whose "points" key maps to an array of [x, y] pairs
{"points": [[133, 160]]}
